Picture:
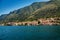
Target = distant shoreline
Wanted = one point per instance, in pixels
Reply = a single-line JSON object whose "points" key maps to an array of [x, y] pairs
{"points": [[41, 21]]}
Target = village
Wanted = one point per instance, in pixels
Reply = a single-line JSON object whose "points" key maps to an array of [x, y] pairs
{"points": [[41, 21]]}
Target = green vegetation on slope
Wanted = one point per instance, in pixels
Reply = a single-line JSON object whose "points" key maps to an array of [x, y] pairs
{"points": [[50, 10], [33, 12]]}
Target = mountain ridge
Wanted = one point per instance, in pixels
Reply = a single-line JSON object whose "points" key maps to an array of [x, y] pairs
{"points": [[25, 13]]}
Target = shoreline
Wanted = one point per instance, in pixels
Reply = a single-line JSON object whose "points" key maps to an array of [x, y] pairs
{"points": [[33, 25], [41, 21]]}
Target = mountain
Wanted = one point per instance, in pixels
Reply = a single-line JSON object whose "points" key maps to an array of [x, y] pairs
{"points": [[50, 10], [57, 2], [33, 12]]}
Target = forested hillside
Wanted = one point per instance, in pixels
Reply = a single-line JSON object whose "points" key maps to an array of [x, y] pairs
{"points": [[33, 12]]}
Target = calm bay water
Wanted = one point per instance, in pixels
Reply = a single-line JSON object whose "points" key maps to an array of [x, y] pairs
{"points": [[29, 32]]}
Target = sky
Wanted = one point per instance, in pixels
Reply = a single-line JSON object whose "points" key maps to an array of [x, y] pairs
{"points": [[7, 6]]}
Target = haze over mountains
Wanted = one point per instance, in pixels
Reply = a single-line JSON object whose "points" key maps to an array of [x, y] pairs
{"points": [[33, 12]]}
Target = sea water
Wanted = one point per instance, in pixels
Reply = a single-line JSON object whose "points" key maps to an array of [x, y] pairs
{"points": [[43, 32]]}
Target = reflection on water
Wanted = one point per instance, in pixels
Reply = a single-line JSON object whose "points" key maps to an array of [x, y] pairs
{"points": [[29, 32]]}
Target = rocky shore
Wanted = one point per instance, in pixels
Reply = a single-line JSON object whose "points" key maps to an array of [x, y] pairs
{"points": [[41, 21]]}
